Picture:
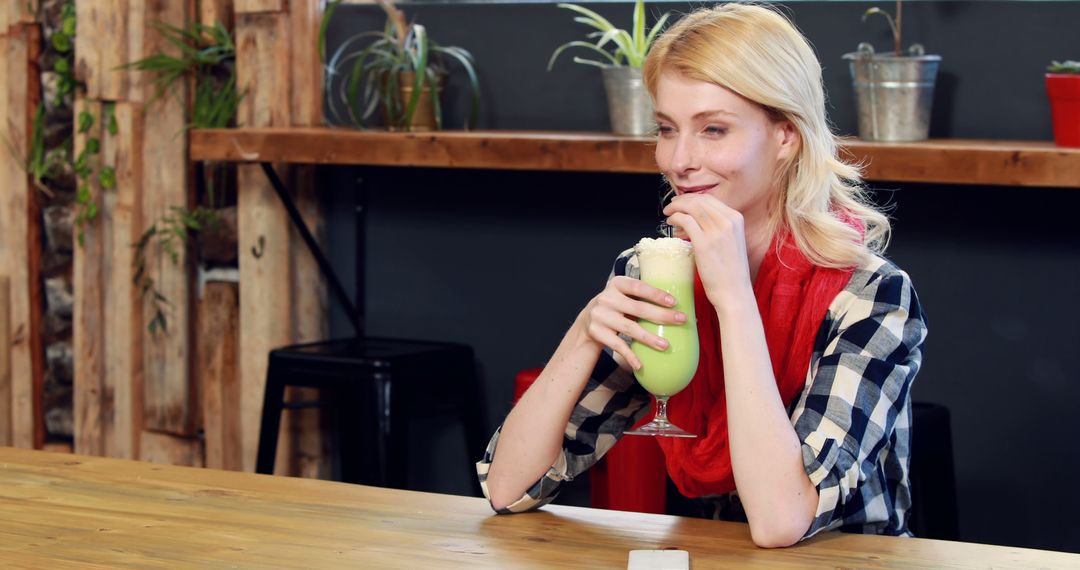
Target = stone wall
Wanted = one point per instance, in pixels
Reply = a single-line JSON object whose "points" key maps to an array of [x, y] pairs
{"points": [[58, 213]]}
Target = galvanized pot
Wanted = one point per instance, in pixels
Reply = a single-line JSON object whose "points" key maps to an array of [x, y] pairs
{"points": [[893, 94], [629, 104]]}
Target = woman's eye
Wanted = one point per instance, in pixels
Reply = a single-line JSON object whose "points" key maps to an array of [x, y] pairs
{"points": [[664, 129], [711, 130]]}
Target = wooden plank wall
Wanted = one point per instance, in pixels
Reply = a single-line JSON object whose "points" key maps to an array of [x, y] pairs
{"points": [[129, 383], [5, 361], [277, 63], [148, 396], [20, 246]]}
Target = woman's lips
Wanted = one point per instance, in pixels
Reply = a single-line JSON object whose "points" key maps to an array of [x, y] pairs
{"points": [[695, 189]]}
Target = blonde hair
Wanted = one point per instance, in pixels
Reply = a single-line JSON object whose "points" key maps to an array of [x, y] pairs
{"points": [[757, 53]]}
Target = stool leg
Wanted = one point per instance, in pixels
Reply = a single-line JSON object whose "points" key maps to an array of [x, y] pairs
{"points": [[393, 434], [273, 402], [471, 416], [359, 426]]}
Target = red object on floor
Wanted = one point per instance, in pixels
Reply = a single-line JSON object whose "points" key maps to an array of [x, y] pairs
{"points": [[631, 476], [1063, 89]]}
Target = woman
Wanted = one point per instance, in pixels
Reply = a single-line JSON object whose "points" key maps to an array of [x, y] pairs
{"points": [[810, 340]]}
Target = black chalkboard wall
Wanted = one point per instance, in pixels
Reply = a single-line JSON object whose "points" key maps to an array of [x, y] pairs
{"points": [[505, 260]]}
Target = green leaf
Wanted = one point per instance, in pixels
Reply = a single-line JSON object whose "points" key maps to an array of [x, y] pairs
{"points": [[639, 27], [330, 7], [68, 25], [93, 145], [465, 59], [61, 42], [86, 121], [110, 119], [591, 18], [62, 66], [107, 178], [581, 44], [657, 27]]}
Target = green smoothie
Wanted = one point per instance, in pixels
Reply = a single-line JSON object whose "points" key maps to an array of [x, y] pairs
{"points": [[668, 265]]}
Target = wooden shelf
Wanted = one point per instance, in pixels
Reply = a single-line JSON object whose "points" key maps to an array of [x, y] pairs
{"points": [[948, 161]]}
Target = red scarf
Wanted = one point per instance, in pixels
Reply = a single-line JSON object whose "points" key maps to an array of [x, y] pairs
{"points": [[793, 296]]}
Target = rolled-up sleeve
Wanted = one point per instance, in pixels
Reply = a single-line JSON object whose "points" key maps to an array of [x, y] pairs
{"points": [[857, 395]]}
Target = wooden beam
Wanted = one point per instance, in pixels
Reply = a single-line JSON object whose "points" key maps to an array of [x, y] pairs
{"points": [[88, 327], [219, 313], [140, 22], [169, 449], [307, 80], [32, 33], [309, 456], [260, 6], [944, 161], [123, 321], [262, 65], [168, 394], [25, 11], [6, 407], [112, 36], [20, 228], [88, 45], [213, 11]]}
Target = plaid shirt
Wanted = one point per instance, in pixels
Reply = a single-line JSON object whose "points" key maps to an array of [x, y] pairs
{"points": [[853, 417]]}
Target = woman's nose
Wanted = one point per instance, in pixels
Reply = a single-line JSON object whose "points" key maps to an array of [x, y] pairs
{"points": [[684, 155]]}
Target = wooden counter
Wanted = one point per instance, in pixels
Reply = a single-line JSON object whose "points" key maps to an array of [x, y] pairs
{"points": [[68, 511], [948, 161]]}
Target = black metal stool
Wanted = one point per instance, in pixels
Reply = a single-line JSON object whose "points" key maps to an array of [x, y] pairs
{"points": [[933, 478], [378, 386]]}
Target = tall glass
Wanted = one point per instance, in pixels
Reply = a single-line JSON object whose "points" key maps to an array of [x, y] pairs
{"points": [[667, 264]]}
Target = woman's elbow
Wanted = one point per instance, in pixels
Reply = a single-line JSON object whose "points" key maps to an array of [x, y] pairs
{"points": [[778, 534]]}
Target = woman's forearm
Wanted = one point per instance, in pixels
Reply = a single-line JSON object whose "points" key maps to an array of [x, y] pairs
{"points": [[766, 454], [532, 434]]}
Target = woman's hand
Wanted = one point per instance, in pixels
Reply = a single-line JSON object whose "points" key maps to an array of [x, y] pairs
{"points": [[618, 308], [719, 237]]}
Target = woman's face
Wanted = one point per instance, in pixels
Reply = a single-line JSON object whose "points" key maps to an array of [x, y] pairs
{"points": [[712, 140]]}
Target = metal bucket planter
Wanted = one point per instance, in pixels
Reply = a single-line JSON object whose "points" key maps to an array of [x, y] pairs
{"points": [[629, 104], [893, 94]]}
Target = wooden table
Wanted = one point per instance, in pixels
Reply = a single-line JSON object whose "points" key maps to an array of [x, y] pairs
{"points": [[66, 511]]}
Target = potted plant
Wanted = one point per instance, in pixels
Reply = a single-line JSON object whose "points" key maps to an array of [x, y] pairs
{"points": [[400, 70], [622, 55], [894, 92], [1063, 89]]}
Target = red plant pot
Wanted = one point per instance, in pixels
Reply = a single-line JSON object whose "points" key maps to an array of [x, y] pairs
{"points": [[1063, 89]]}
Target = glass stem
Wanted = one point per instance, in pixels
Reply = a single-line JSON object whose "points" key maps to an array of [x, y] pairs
{"points": [[661, 409]]}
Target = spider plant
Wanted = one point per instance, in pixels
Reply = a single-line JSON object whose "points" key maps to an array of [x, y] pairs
{"points": [[1065, 67], [626, 48], [400, 57]]}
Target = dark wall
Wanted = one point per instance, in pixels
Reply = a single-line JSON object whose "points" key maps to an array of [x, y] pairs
{"points": [[505, 260]]}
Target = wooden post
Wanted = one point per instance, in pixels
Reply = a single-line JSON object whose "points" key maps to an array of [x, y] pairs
{"points": [[112, 24], [260, 6], [168, 395], [88, 45], [310, 458], [263, 70], [88, 327], [5, 361], [213, 11], [19, 222], [123, 324], [220, 388]]}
